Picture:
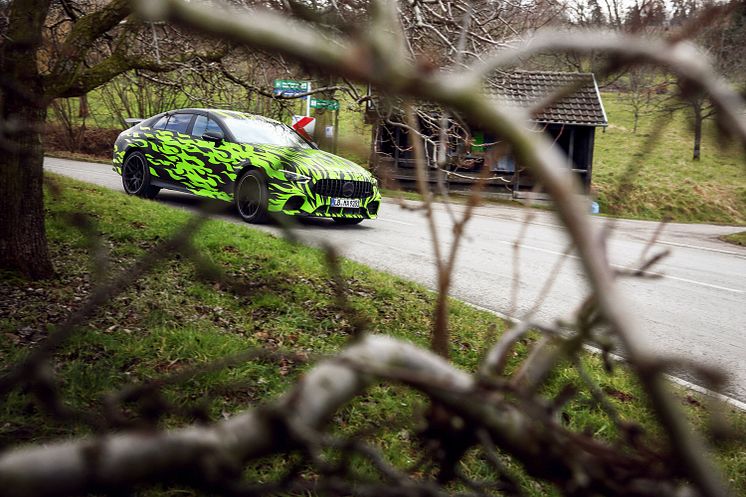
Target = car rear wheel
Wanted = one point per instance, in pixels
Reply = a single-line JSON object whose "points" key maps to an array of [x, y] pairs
{"points": [[136, 176], [347, 221], [251, 197]]}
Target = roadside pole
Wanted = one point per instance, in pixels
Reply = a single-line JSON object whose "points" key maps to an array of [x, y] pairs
{"points": [[336, 131]]}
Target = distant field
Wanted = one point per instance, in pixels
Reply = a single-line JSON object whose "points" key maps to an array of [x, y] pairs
{"points": [[668, 182]]}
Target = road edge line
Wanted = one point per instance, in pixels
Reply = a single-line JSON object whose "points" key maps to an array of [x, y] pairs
{"points": [[595, 350]]}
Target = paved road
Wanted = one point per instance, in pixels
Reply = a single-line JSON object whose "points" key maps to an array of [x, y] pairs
{"points": [[697, 309]]}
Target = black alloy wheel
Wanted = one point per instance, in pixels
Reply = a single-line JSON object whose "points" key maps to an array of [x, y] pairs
{"points": [[136, 176], [251, 197]]}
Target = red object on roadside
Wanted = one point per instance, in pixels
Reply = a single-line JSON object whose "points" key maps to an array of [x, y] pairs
{"points": [[300, 126]]}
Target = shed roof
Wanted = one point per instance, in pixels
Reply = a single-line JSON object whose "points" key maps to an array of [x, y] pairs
{"points": [[581, 106]]}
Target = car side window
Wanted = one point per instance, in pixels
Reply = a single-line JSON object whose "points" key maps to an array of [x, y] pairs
{"points": [[202, 124], [161, 123], [179, 123]]}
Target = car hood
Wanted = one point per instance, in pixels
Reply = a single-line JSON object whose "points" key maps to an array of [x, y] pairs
{"points": [[314, 163]]}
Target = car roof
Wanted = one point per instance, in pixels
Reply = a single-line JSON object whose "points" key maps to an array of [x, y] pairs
{"points": [[223, 113]]}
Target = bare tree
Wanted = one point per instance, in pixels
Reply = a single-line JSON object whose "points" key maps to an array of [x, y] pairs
{"points": [[722, 40], [641, 93]]}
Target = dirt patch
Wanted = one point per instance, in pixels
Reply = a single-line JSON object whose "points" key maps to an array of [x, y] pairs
{"points": [[619, 395]]}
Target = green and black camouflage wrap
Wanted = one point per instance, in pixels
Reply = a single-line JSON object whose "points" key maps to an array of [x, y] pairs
{"points": [[299, 181]]}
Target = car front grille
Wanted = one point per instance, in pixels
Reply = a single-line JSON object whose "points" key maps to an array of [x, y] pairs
{"points": [[343, 188]]}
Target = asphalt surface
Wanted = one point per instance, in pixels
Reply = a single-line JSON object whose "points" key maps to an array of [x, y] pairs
{"points": [[695, 309]]}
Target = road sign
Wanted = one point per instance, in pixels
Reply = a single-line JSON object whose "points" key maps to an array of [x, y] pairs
{"points": [[317, 103], [289, 88], [288, 84], [304, 125]]}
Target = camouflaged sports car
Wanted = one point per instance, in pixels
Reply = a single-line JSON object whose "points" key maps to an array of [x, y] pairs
{"points": [[260, 164]]}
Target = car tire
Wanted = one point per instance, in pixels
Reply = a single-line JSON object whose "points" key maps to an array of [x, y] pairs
{"points": [[347, 221], [136, 176], [251, 197]]}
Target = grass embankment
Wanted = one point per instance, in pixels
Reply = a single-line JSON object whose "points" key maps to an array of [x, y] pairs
{"points": [[667, 182], [737, 238], [173, 319]]}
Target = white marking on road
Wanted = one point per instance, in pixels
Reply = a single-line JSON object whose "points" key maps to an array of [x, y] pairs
{"points": [[395, 221], [383, 245], [668, 276], [648, 273], [538, 249], [699, 247], [595, 350], [530, 223]]}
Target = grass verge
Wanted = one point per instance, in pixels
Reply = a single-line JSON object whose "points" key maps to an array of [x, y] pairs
{"points": [[175, 318], [667, 182], [736, 238]]}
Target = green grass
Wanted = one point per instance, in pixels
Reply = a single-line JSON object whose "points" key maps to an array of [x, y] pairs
{"points": [[175, 319], [737, 238], [668, 183]]}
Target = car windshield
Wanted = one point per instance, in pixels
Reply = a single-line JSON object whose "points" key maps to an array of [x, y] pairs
{"points": [[264, 132]]}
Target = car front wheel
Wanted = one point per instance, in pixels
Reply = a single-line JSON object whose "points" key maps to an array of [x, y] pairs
{"points": [[251, 197], [136, 176]]}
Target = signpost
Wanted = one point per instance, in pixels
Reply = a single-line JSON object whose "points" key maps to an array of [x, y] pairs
{"points": [[305, 125], [289, 88], [317, 103], [330, 132]]}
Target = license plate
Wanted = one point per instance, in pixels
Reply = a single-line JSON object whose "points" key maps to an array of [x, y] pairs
{"points": [[349, 203]]}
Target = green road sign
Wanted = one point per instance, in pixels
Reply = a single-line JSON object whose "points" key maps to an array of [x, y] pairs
{"points": [[318, 103], [288, 84], [289, 88]]}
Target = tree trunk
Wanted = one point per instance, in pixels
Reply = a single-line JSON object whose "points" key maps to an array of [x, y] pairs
{"points": [[83, 110], [23, 241], [697, 133]]}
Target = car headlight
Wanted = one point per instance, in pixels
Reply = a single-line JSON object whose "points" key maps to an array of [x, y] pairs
{"points": [[293, 176]]}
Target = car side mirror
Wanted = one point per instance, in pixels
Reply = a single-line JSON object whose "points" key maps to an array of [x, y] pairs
{"points": [[213, 136]]}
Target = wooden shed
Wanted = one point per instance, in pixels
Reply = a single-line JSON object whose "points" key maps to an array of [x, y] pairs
{"points": [[473, 153]]}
